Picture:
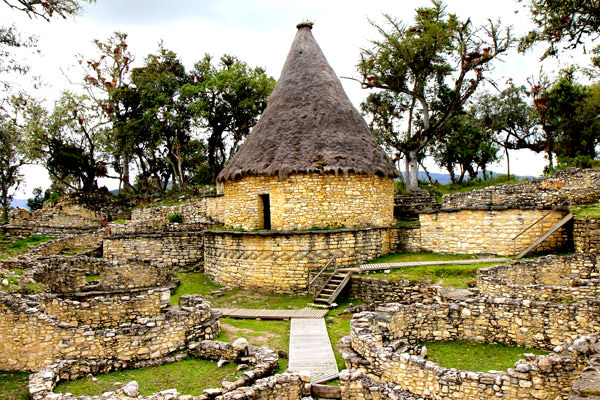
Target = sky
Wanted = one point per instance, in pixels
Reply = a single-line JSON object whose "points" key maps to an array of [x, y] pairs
{"points": [[259, 32]]}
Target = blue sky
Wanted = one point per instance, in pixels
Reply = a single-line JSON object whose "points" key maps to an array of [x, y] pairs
{"points": [[258, 32]]}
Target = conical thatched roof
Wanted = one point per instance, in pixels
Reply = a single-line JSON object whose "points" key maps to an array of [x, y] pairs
{"points": [[309, 124]]}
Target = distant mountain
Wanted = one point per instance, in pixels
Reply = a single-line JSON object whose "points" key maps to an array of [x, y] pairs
{"points": [[445, 178], [19, 203]]}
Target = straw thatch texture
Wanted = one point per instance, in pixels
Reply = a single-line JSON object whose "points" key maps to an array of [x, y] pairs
{"points": [[309, 125]]}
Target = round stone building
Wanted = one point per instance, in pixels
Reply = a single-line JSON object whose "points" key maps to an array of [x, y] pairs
{"points": [[310, 163]]}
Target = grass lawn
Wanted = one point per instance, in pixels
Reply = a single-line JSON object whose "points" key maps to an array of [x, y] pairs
{"points": [[457, 276], [479, 357], [198, 283], [409, 257], [591, 211], [13, 386], [339, 328], [190, 376], [10, 248]]}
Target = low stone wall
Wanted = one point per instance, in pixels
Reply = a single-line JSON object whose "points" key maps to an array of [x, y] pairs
{"points": [[66, 213], [551, 278], [571, 186], [31, 338], [411, 204], [407, 239], [586, 235], [489, 232], [175, 249], [262, 362], [102, 311], [355, 384], [54, 247], [372, 290], [281, 262], [375, 338], [202, 210]]}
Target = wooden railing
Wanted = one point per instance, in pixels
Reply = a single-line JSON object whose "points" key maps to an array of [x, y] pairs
{"points": [[331, 260]]}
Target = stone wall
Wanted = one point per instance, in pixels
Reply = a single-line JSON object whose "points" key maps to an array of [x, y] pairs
{"points": [[202, 210], [281, 262], [586, 235], [261, 362], [54, 247], [552, 278], [304, 201], [31, 338], [407, 239], [536, 377], [572, 186], [371, 290], [64, 214], [175, 249], [489, 232], [64, 274], [409, 205]]}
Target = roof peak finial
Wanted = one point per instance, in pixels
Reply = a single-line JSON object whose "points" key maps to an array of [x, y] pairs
{"points": [[305, 24]]}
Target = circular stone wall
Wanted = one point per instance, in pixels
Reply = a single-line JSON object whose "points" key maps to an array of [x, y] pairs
{"points": [[281, 262]]}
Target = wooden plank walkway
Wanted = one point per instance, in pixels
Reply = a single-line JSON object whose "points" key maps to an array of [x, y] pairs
{"points": [[310, 349], [271, 314], [382, 266]]}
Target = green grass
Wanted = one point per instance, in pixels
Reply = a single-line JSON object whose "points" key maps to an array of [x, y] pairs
{"points": [[119, 221], [198, 283], [457, 276], [12, 249], [273, 333], [13, 386], [479, 357], [190, 376], [92, 278], [591, 211], [339, 328], [410, 257]]}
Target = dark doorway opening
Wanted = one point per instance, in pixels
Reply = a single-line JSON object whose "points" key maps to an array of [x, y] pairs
{"points": [[266, 208]]}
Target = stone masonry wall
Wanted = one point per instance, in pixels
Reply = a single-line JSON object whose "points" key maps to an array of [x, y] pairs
{"points": [[411, 204], [572, 186], [536, 377], [31, 339], [202, 210], [305, 201], [280, 262], [65, 214], [489, 232], [551, 278], [586, 235], [176, 249]]}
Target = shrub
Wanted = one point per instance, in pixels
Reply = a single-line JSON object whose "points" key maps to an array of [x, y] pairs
{"points": [[176, 218]]}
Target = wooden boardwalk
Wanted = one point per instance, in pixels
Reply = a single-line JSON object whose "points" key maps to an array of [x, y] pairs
{"points": [[271, 314], [382, 266], [310, 349]]}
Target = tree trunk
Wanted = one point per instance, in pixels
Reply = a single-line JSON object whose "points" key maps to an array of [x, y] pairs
{"points": [[507, 164], [413, 171]]}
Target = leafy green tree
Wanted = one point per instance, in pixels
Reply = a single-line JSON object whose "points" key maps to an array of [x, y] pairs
{"points": [[69, 143], [166, 118], [562, 21], [509, 117], [465, 146], [18, 117], [437, 59], [226, 100]]}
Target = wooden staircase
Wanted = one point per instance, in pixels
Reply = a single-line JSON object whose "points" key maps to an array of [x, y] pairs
{"points": [[554, 228], [333, 287]]}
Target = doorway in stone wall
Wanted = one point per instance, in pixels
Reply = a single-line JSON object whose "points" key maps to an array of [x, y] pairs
{"points": [[266, 211]]}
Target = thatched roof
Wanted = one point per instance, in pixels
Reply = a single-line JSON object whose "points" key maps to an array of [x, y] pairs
{"points": [[309, 124]]}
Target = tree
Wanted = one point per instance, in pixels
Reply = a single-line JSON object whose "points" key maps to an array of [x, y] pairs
{"points": [[18, 116], [107, 81], [69, 144], [46, 9], [166, 117], [226, 100], [560, 21], [508, 117], [413, 67], [464, 145]]}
